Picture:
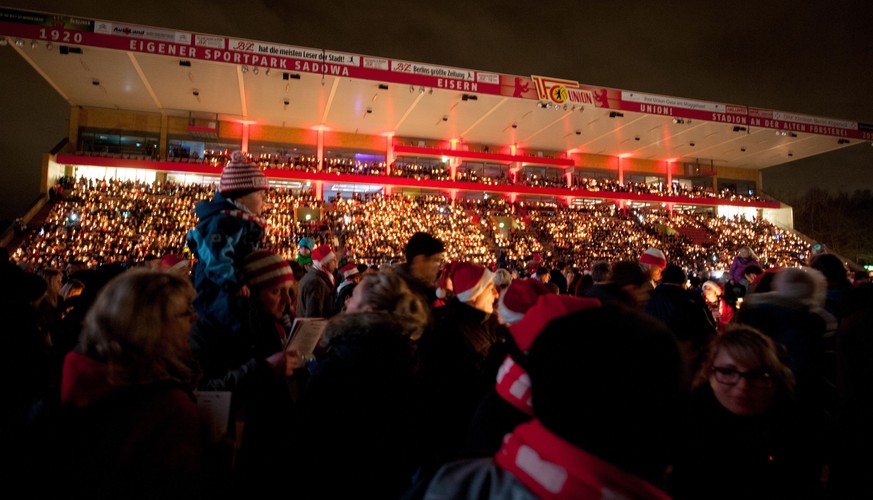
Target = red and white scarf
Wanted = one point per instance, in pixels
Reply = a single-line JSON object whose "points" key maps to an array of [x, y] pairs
{"points": [[242, 214], [513, 385], [552, 468]]}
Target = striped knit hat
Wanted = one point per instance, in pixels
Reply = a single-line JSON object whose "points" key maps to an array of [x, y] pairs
{"points": [[654, 257], [241, 177], [263, 268]]}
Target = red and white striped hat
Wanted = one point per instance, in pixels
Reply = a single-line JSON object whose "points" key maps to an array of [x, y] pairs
{"points": [[263, 268], [241, 176], [654, 257]]}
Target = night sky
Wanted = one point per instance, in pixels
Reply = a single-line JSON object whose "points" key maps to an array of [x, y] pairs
{"points": [[783, 55]]}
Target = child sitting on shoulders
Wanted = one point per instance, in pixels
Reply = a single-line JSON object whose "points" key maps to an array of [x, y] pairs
{"points": [[229, 228]]}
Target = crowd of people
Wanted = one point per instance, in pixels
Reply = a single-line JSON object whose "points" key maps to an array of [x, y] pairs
{"points": [[464, 173], [103, 221], [440, 373]]}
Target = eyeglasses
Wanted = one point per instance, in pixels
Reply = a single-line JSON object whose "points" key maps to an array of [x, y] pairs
{"points": [[731, 376]]}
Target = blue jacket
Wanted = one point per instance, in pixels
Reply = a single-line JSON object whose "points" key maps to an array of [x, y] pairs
{"points": [[224, 236]]}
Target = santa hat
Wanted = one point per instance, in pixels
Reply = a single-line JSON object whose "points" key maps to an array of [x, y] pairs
{"points": [[715, 285], [173, 262], [323, 254], [654, 257], [547, 308], [240, 177], [520, 296], [465, 279], [263, 268], [349, 270]]}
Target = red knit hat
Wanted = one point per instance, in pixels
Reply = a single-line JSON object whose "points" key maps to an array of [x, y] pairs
{"points": [[520, 296], [241, 176], [547, 308], [654, 257], [349, 270], [465, 279], [263, 268], [323, 254]]}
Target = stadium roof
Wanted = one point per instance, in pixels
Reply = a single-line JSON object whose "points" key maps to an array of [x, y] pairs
{"points": [[96, 63]]}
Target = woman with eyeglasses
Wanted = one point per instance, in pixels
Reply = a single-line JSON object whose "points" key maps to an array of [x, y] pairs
{"points": [[745, 437], [127, 425]]}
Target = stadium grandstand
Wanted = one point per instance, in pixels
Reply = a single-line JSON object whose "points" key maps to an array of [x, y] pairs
{"points": [[364, 150]]}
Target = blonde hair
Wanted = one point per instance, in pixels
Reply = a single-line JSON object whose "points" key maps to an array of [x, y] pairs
{"points": [[71, 289], [386, 291], [47, 274], [125, 329], [502, 279], [750, 347], [749, 249]]}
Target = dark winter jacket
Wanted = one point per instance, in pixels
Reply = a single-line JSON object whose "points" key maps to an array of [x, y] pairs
{"points": [[686, 317], [777, 455], [359, 419], [316, 297], [459, 359], [235, 361], [802, 334], [111, 441]]}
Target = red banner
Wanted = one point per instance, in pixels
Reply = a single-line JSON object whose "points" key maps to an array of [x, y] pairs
{"points": [[148, 40]]}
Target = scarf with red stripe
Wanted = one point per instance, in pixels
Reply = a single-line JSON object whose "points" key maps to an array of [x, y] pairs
{"points": [[513, 385], [552, 468], [241, 214]]}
